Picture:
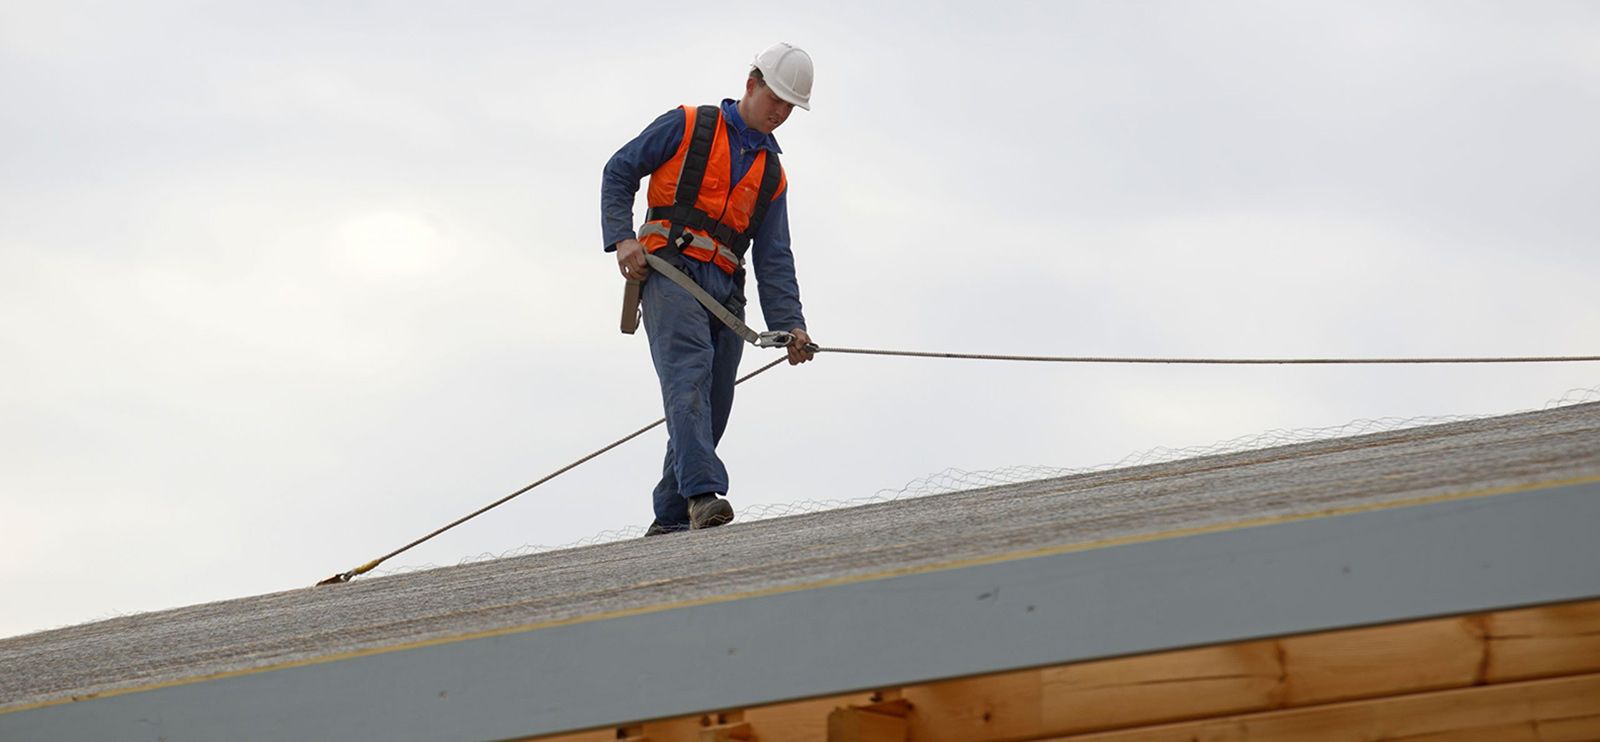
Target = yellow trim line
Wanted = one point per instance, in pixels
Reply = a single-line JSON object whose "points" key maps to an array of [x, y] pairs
{"points": [[853, 579]]}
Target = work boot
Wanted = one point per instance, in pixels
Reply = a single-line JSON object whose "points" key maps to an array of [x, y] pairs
{"points": [[656, 529], [708, 511]]}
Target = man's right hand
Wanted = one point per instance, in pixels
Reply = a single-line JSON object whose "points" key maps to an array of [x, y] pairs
{"points": [[630, 260]]}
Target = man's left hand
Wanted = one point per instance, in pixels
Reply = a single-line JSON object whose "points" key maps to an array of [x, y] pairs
{"points": [[798, 341]]}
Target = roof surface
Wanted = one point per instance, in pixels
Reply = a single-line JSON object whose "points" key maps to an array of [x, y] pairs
{"points": [[764, 558]]}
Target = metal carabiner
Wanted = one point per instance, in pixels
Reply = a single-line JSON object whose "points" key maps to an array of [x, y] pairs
{"points": [[774, 339]]}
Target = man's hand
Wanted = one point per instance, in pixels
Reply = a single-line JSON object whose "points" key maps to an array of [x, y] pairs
{"points": [[797, 347], [630, 260]]}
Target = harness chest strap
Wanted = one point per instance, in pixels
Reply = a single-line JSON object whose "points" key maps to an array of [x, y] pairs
{"points": [[695, 239]]}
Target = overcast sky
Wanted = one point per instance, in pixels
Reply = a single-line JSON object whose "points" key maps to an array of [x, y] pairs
{"points": [[286, 285]]}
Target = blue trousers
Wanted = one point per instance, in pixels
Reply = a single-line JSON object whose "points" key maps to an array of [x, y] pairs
{"points": [[696, 359]]}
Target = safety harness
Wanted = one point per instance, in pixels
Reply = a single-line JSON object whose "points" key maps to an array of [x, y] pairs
{"points": [[683, 214]]}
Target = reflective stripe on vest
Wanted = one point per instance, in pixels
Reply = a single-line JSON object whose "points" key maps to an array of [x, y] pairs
{"points": [[720, 218], [700, 243]]}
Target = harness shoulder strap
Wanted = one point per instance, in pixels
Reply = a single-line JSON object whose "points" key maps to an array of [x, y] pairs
{"points": [[770, 178], [693, 173]]}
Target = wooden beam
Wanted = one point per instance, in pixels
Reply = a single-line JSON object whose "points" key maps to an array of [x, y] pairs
{"points": [[1382, 661], [1542, 642], [1172, 685], [988, 707], [802, 721], [736, 732], [881, 720], [861, 725], [1561, 708], [598, 735], [725, 726], [680, 729]]}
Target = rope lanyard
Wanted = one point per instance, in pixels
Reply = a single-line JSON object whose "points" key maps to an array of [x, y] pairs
{"points": [[369, 566]]}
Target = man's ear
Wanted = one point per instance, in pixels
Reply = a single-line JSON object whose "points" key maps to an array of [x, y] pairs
{"points": [[749, 86]]}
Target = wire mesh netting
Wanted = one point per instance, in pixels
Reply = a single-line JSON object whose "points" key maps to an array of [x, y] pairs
{"points": [[958, 480]]}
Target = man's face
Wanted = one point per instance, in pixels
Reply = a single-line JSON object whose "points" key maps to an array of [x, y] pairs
{"points": [[767, 111]]}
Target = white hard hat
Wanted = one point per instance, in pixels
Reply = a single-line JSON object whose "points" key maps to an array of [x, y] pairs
{"points": [[786, 68]]}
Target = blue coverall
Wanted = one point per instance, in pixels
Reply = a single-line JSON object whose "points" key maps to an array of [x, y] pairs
{"points": [[696, 357]]}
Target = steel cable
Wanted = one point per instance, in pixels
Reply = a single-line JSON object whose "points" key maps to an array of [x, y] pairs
{"points": [[1208, 361], [363, 569]]}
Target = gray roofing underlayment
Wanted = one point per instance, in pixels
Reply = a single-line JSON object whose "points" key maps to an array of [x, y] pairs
{"points": [[1441, 520]]}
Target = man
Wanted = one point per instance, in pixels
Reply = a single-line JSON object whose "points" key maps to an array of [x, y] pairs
{"points": [[716, 190]]}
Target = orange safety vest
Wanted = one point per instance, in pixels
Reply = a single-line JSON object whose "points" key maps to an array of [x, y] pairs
{"points": [[693, 205]]}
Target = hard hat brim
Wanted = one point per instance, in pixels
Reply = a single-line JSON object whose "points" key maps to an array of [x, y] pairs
{"points": [[789, 97]]}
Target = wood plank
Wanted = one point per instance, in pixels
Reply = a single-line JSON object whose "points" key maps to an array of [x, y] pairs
{"points": [[1561, 706], [860, 725], [680, 729], [734, 732], [801, 721], [1518, 732], [1187, 684], [1542, 642], [598, 735], [1574, 729], [1585, 729], [988, 707], [1383, 660]]}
